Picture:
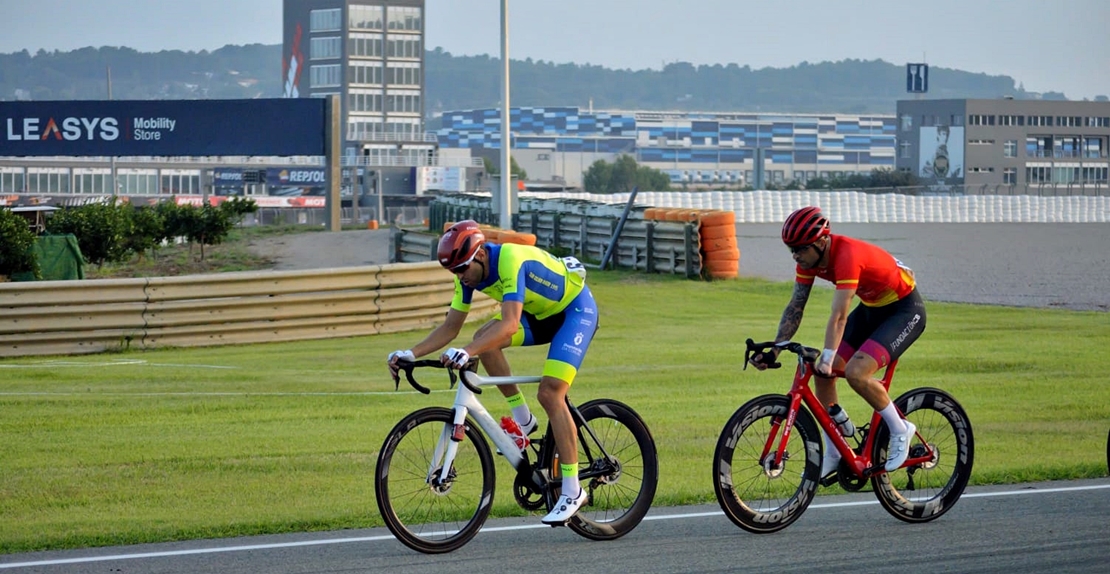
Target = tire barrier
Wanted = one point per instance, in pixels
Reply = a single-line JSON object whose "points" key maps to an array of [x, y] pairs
{"points": [[717, 237], [957, 205]]}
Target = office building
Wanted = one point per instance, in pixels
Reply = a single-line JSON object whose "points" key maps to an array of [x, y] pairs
{"points": [[1005, 143], [371, 54], [699, 148]]}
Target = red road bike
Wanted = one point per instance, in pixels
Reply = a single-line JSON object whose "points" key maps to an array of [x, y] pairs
{"points": [[768, 459]]}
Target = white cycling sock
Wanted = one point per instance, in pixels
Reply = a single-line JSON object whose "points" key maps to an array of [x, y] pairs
{"points": [[830, 448], [892, 419], [522, 415], [571, 487]]}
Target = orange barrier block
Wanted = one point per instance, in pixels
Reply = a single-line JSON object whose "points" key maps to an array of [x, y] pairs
{"points": [[722, 255], [519, 238]]}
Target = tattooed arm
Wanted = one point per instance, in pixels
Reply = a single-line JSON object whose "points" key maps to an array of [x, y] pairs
{"points": [[791, 319], [792, 315]]}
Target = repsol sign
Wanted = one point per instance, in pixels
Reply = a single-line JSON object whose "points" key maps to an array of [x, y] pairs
{"points": [[227, 176], [300, 177], [283, 127]]}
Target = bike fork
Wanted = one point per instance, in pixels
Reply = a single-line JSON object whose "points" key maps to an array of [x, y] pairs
{"points": [[448, 446]]}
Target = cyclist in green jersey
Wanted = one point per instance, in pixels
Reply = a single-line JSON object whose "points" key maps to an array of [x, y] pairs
{"points": [[544, 300]]}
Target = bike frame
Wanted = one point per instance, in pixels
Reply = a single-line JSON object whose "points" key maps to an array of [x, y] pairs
{"points": [[800, 392], [467, 403]]}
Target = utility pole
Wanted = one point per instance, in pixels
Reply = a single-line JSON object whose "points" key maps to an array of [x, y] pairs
{"points": [[505, 220], [112, 159]]}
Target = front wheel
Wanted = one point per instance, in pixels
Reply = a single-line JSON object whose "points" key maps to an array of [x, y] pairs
{"points": [[756, 493], [923, 492], [618, 468], [426, 509]]}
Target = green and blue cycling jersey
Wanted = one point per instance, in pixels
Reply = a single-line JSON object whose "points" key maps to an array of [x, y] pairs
{"points": [[558, 307]]}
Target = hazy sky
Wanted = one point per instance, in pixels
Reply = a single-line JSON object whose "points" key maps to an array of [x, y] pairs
{"points": [[1048, 45]]}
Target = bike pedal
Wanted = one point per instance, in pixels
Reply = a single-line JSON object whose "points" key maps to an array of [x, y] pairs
{"points": [[830, 479]]}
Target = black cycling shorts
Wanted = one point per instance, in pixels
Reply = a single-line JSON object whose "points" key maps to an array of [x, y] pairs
{"points": [[884, 332]]}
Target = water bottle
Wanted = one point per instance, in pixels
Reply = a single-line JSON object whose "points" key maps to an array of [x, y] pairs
{"points": [[840, 417]]}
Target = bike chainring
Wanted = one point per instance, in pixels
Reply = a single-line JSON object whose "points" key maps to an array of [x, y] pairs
{"points": [[527, 495], [847, 480]]}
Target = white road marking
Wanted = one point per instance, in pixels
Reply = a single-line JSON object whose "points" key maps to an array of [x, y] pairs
{"points": [[116, 363], [90, 559]]}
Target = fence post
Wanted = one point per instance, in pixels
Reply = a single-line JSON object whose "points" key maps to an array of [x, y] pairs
{"points": [[555, 221], [584, 236], [691, 249], [649, 266]]}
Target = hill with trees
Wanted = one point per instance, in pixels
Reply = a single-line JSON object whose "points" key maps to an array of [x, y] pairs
{"points": [[467, 82]]}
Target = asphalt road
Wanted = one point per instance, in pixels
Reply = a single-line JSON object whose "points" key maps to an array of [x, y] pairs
{"points": [[1057, 265], [1053, 265], [1058, 527]]}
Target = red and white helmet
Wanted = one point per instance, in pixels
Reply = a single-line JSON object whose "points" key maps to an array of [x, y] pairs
{"points": [[459, 244], [804, 227]]}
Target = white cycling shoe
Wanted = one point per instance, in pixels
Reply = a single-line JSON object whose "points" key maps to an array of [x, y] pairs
{"points": [[565, 509], [899, 448]]}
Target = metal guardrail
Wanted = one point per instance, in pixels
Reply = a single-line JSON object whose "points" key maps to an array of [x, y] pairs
{"points": [[649, 246], [91, 316]]}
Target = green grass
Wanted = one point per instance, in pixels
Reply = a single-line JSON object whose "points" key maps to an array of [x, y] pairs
{"points": [[227, 441]]}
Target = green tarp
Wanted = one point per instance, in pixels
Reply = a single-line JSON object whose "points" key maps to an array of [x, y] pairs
{"points": [[59, 259]]}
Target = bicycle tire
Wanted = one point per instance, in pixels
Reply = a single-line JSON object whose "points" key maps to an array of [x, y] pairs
{"points": [[425, 517], [618, 500], [754, 496], [937, 484]]}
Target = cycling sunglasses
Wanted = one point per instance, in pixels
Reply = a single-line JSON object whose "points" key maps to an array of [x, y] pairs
{"points": [[801, 248], [462, 267]]}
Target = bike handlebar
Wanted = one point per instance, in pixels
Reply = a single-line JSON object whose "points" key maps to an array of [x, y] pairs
{"points": [[408, 366], [807, 354]]}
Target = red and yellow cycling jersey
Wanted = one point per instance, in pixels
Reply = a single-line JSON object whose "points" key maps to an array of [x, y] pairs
{"points": [[878, 278]]}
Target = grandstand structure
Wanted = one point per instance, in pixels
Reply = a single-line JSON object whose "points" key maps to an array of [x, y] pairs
{"points": [[698, 148]]}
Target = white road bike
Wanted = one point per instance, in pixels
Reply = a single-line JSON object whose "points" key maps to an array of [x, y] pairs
{"points": [[434, 481]]}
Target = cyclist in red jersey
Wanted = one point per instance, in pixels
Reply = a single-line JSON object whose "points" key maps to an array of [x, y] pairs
{"points": [[889, 318]]}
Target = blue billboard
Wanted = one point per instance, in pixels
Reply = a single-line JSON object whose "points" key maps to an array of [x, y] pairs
{"points": [[280, 127], [295, 176], [227, 177], [917, 78]]}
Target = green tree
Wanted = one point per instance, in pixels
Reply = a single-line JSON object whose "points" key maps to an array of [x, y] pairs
{"points": [[213, 223], [596, 179], [514, 169], [16, 240], [148, 229], [622, 175], [102, 229]]}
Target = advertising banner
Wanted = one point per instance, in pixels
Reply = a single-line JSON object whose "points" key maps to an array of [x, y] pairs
{"points": [[279, 127], [295, 176], [227, 177], [942, 155], [434, 178]]}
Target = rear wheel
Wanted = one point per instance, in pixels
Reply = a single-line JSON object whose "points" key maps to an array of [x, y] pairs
{"points": [[923, 492], [757, 494], [620, 486], [424, 510]]}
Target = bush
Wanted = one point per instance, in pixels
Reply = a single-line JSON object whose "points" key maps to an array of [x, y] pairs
{"points": [[204, 225], [16, 240], [148, 229], [102, 229]]}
